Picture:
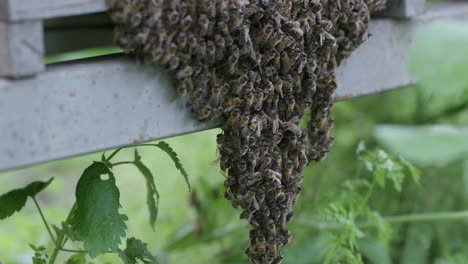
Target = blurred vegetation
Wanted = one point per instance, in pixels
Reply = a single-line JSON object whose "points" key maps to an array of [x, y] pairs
{"points": [[424, 124]]}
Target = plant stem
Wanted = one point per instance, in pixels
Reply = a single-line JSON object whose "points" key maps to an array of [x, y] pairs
{"points": [[122, 163], [44, 220], [61, 238], [444, 216], [423, 217], [113, 154], [132, 146]]}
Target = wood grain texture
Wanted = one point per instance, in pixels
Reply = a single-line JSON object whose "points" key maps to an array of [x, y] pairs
{"points": [[43, 9], [21, 49]]}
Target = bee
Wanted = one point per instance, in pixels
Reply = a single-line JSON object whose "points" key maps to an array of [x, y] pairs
{"points": [[251, 201], [234, 116], [260, 245], [209, 7], [271, 228], [288, 170], [233, 59], [267, 160], [185, 72], [256, 177], [173, 17], [270, 71], [204, 113], [278, 85], [221, 46], [327, 25], [242, 165], [186, 23], [174, 63], [245, 214], [225, 16], [204, 23], [295, 29], [266, 57], [275, 39], [266, 33], [258, 101], [287, 85], [290, 103], [210, 51], [230, 181], [236, 17], [273, 177], [249, 98], [200, 49]]}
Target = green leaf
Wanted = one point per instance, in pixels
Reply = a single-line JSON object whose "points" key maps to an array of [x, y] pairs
{"points": [[96, 220], [414, 172], [57, 230], [68, 231], [438, 58], [35, 248], [36, 187], [380, 176], [78, 258], [13, 201], [169, 151], [152, 195], [39, 260], [425, 145], [373, 250], [136, 250]]}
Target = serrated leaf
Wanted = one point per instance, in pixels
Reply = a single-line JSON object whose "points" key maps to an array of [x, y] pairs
{"points": [[97, 221], [35, 248], [152, 196], [78, 258], [39, 260], [13, 201], [68, 231], [136, 250], [36, 187], [169, 151], [57, 230]]}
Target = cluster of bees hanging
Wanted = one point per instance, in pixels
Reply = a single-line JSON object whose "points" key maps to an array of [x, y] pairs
{"points": [[259, 64]]}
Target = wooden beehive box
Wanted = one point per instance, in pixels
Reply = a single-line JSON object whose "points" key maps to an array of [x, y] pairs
{"points": [[53, 111]]}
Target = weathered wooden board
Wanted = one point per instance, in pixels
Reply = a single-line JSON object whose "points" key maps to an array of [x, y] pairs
{"points": [[405, 8], [15, 10], [102, 103], [21, 48]]}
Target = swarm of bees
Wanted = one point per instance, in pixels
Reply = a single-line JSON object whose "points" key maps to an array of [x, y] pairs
{"points": [[259, 64]]}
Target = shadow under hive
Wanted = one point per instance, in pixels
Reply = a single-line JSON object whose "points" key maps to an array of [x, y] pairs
{"points": [[259, 64]]}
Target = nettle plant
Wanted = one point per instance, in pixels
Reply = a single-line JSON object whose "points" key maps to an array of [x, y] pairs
{"points": [[94, 219], [349, 213]]}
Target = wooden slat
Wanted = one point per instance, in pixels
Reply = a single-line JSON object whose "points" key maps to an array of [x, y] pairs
{"points": [[404, 8], [21, 49], [92, 105], [43, 9], [15, 10]]}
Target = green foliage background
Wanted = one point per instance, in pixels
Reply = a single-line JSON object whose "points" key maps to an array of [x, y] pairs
{"points": [[425, 124]]}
